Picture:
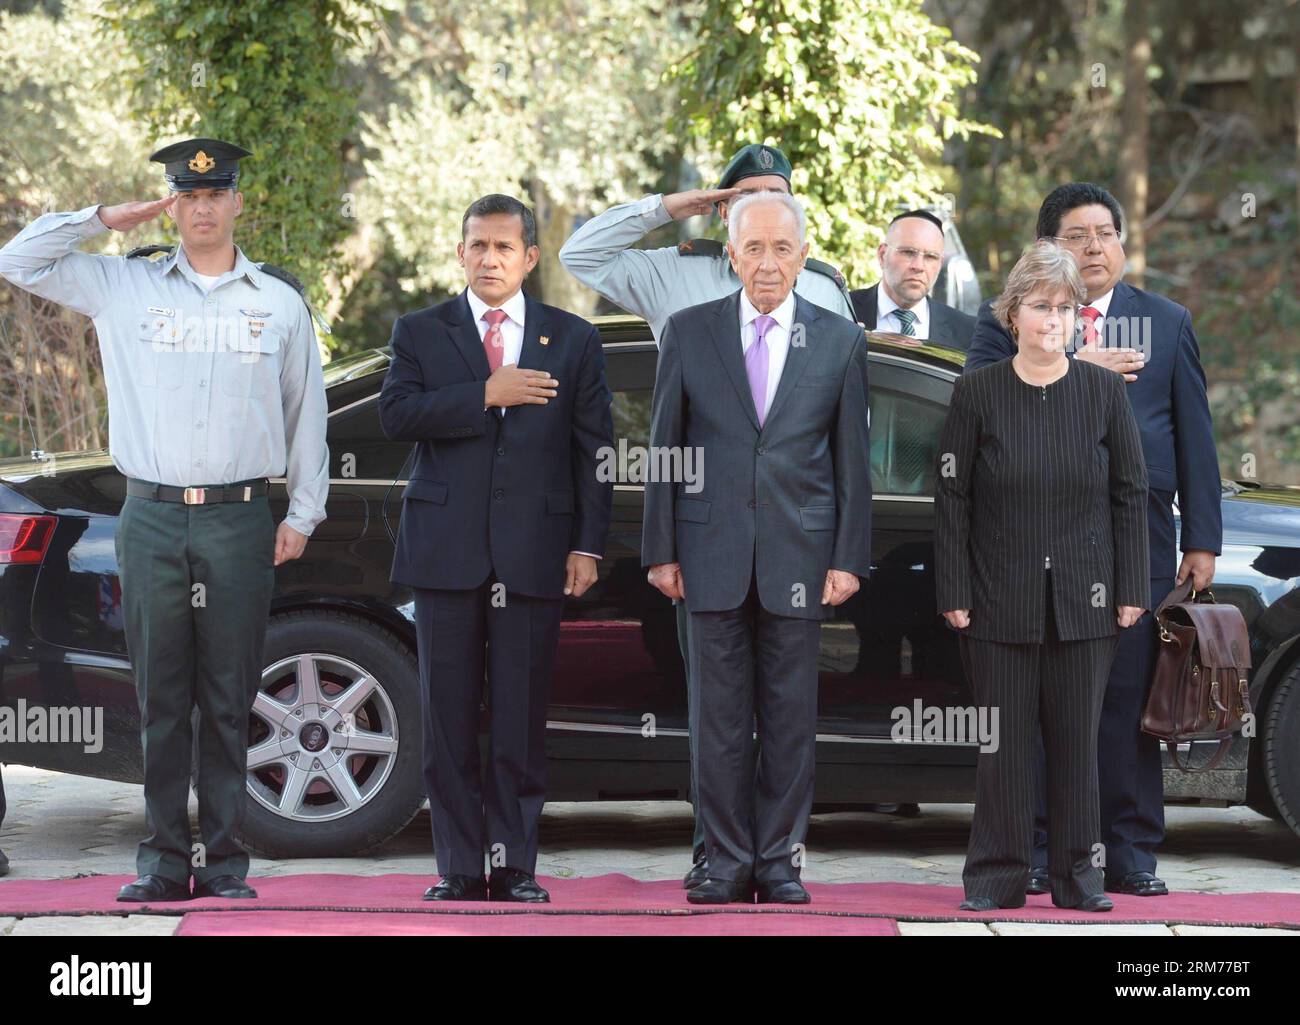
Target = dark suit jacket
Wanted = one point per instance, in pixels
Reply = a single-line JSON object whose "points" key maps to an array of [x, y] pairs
{"points": [[948, 326], [1173, 418], [510, 494], [793, 499], [1025, 473]]}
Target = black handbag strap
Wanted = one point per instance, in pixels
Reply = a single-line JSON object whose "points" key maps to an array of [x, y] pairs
{"points": [[1218, 756]]}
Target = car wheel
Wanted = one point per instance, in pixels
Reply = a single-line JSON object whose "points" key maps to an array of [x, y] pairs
{"points": [[1280, 757], [334, 765]]}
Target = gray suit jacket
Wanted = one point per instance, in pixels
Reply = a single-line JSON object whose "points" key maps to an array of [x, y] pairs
{"points": [[791, 500]]}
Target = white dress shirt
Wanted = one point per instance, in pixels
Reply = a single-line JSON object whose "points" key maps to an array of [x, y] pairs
{"points": [[777, 338], [886, 307], [512, 334], [512, 328], [1101, 304]]}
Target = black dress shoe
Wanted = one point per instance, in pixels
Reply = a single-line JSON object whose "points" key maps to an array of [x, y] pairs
{"points": [[517, 885], [1138, 884], [722, 891], [153, 888], [782, 891], [1039, 881], [4, 864], [458, 887], [1095, 902], [225, 887], [698, 873], [988, 904]]}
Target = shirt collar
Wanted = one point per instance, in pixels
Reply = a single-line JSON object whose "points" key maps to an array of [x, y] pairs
{"points": [[514, 306], [1102, 303], [244, 267], [885, 305], [783, 314]]}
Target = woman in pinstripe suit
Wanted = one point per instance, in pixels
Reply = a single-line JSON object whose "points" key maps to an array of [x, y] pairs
{"points": [[1041, 558]]}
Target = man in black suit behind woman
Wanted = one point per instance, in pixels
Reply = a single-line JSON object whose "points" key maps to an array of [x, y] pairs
{"points": [[1041, 556]]}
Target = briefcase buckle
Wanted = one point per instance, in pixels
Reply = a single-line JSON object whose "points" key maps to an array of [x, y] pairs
{"points": [[194, 496]]}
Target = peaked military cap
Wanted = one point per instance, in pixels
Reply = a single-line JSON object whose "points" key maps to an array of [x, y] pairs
{"points": [[755, 159], [200, 164]]}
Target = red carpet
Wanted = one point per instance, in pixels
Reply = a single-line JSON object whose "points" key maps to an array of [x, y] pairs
{"points": [[389, 923], [605, 904]]}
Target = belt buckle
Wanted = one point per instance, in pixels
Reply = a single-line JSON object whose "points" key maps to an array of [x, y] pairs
{"points": [[194, 496]]}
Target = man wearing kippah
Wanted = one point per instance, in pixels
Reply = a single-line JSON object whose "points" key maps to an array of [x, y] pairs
{"points": [[214, 385], [910, 260]]}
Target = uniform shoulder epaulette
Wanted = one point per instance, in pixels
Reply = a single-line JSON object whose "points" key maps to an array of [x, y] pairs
{"points": [[702, 247], [825, 268], [149, 251], [283, 275]]}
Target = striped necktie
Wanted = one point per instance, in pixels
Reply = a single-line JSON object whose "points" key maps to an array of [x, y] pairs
{"points": [[907, 318]]}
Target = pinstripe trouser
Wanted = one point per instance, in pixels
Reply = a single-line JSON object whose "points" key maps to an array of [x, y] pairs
{"points": [[1058, 685]]}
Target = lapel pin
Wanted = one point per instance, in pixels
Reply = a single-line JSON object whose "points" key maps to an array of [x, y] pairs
{"points": [[544, 340]]}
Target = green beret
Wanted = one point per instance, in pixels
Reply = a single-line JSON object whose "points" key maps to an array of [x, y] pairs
{"points": [[755, 159]]}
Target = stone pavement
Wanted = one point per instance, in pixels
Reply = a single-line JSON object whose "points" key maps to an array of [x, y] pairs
{"points": [[60, 826]]}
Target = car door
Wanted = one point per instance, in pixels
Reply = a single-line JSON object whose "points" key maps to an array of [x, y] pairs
{"points": [[887, 647]]}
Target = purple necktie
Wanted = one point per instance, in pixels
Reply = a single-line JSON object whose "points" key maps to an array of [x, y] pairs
{"points": [[756, 364]]}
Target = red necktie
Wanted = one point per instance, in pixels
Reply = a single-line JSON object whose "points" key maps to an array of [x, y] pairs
{"points": [[1090, 315], [493, 343]]}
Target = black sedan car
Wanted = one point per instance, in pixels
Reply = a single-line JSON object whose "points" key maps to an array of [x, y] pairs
{"points": [[334, 759]]}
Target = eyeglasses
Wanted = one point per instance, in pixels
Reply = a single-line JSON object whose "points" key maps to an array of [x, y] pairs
{"points": [[1043, 309], [1079, 239], [909, 254]]}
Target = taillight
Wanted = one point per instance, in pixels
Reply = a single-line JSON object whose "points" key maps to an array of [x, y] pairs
{"points": [[23, 539]]}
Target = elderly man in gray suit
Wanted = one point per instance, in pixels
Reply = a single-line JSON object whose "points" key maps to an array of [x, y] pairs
{"points": [[772, 392]]}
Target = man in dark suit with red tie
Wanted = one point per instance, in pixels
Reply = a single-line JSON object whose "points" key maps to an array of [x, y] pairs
{"points": [[507, 403], [1149, 340]]}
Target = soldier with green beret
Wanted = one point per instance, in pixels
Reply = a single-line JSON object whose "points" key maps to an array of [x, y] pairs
{"points": [[656, 283]]}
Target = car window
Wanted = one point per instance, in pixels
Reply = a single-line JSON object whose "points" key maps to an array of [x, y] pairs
{"points": [[358, 448], [630, 411], [904, 442]]}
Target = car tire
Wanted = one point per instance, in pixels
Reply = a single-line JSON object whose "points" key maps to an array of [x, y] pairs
{"points": [[1280, 757], [337, 643]]}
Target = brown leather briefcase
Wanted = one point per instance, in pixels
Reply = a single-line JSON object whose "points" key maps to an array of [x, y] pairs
{"points": [[1199, 690]]}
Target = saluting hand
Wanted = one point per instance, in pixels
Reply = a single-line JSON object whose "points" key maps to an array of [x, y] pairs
{"points": [[126, 216], [681, 205]]}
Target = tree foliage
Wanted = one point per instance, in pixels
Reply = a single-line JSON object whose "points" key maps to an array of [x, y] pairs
{"points": [[861, 97], [560, 101], [266, 75]]}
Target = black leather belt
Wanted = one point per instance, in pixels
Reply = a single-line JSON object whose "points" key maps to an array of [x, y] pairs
{"points": [[240, 491]]}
